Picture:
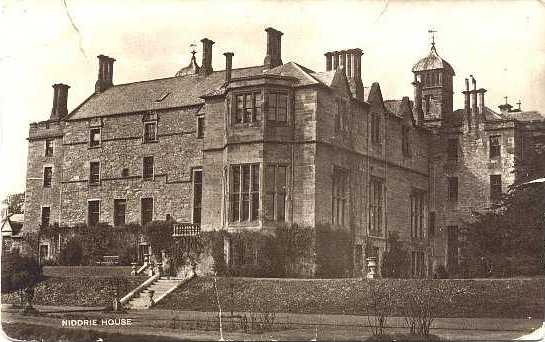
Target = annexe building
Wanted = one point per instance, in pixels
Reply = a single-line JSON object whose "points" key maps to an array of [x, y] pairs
{"points": [[277, 143]]}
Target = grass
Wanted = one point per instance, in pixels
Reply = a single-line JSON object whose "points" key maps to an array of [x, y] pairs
{"points": [[30, 332], [493, 298]]}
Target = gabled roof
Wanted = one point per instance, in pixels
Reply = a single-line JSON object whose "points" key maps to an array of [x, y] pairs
{"points": [[292, 69], [11, 225], [156, 94], [432, 62], [375, 95], [531, 115]]}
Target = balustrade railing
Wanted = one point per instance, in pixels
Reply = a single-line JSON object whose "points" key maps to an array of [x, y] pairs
{"points": [[186, 230]]}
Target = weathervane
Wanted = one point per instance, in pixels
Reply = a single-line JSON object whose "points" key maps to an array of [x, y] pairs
{"points": [[432, 32], [193, 46]]}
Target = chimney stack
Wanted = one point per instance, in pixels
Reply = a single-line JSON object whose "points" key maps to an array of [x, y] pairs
{"points": [[60, 98], [105, 73], [481, 100], [328, 60], [474, 107], [228, 66], [274, 48], [335, 60], [342, 54], [206, 65]]}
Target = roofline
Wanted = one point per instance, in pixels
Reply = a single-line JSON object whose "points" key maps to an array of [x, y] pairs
{"points": [[139, 112]]}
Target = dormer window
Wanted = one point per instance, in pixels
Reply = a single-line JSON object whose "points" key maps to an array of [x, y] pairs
{"points": [[247, 107], [277, 107]]}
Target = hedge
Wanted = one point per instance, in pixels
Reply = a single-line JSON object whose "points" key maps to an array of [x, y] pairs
{"points": [[498, 298], [78, 291]]}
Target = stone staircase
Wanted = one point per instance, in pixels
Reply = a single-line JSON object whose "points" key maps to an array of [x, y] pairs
{"points": [[161, 287]]}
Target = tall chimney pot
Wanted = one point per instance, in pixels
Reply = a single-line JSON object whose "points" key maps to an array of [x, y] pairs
{"points": [[206, 65], [105, 73], [328, 57], [274, 48], [228, 65], [60, 99]]}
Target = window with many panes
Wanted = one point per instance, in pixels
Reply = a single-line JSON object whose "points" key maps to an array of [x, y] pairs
{"points": [[93, 212], [495, 146], [376, 205], [244, 192], [452, 248], [197, 196], [375, 128], [94, 173], [150, 131], [495, 188], [418, 207], [340, 191], [275, 179], [147, 167], [277, 107], [452, 189], [48, 175], [405, 143], [49, 147], [452, 149], [120, 208], [146, 210], [94, 137], [247, 107], [46, 214]]}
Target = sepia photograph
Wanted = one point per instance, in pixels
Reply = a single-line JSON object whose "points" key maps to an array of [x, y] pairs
{"points": [[272, 170]]}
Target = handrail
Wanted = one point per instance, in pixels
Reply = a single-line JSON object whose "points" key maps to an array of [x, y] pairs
{"points": [[184, 281], [139, 288]]}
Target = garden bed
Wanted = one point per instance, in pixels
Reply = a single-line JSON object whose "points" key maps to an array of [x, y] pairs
{"points": [[78, 290], [86, 271], [494, 298]]}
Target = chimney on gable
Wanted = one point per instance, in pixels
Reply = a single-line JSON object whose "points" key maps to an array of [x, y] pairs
{"points": [[274, 48], [474, 107], [105, 73], [418, 102], [228, 66], [350, 62], [206, 65], [60, 98], [481, 100]]}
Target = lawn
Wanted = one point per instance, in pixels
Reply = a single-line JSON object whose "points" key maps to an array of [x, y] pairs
{"points": [[494, 298]]}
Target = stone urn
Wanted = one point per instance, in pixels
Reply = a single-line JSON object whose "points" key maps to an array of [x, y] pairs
{"points": [[371, 267]]}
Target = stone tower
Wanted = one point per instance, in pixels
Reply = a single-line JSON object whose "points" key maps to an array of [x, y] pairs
{"points": [[433, 85]]}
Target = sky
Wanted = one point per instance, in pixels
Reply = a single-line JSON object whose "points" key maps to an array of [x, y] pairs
{"points": [[56, 41]]}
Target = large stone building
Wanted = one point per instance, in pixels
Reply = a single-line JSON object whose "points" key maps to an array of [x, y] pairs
{"points": [[255, 147]]}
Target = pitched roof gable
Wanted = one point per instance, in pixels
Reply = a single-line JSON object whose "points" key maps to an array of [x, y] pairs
{"points": [[375, 95]]}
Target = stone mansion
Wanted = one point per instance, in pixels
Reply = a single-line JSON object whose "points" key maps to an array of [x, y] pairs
{"points": [[276, 143]]}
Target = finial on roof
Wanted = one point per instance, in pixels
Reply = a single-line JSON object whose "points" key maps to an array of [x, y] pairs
{"points": [[519, 103], [432, 32], [193, 68], [505, 97]]}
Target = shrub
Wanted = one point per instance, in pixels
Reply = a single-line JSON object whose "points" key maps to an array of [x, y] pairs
{"points": [[333, 252], [395, 262], [71, 254], [380, 304], [20, 274]]}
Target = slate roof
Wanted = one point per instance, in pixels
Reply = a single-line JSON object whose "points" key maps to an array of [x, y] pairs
{"points": [[525, 115], [156, 94], [11, 226], [432, 62]]}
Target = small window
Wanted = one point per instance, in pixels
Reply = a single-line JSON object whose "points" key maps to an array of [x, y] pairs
{"points": [[147, 210], [94, 137], [341, 119], [453, 189], [200, 127], [452, 149], [275, 192], [48, 175], [150, 132], [46, 214], [44, 251], [49, 147], [93, 212], [277, 107], [147, 172], [418, 209], [375, 129], [125, 172], [94, 173], [495, 147], [495, 188], [405, 141], [120, 207]]}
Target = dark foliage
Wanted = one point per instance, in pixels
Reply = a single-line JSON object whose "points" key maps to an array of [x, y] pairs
{"points": [[15, 203], [19, 272], [71, 254], [395, 262], [333, 252]]}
